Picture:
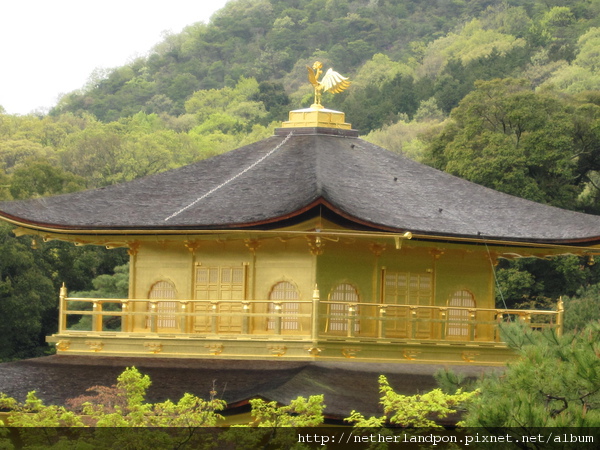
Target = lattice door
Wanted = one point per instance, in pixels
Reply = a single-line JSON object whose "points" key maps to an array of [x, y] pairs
{"points": [[404, 288], [219, 284]]}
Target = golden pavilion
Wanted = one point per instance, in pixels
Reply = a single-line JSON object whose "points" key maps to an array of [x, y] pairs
{"points": [[312, 244]]}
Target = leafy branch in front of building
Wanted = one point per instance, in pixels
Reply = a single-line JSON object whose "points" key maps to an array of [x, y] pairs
{"points": [[555, 382], [124, 405], [419, 410]]}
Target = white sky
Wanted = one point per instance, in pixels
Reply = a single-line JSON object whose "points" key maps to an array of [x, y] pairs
{"points": [[51, 47]]}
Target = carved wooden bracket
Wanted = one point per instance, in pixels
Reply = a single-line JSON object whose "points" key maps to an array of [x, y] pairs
{"points": [[214, 349], [154, 347], [314, 351], [95, 345], [350, 352], [252, 244], [315, 245], [411, 355], [469, 356], [63, 345], [277, 350]]}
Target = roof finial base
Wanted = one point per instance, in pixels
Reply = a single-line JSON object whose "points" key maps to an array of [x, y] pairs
{"points": [[315, 117]]}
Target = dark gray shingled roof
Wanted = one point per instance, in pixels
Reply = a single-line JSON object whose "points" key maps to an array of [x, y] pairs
{"points": [[346, 385], [283, 176]]}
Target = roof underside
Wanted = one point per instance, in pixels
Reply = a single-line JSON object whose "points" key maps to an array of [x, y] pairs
{"points": [[271, 181]]}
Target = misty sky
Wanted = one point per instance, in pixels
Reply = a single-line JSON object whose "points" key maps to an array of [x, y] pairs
{"points": [[50, 47]]}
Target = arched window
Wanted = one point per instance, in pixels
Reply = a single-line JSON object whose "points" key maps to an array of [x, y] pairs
{"points": [[458, 319], [342, 294], [286, 293], [165, 310]]}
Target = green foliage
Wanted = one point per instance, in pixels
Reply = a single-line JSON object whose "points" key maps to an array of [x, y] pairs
{"points": [[276, 424], [26, 298], [124, 406], [114, 285], [189, 411], [554, 383], [40, 178], [265, 39], [33, 413], [510, 138], [582, 308], [30, 276], [301, 412], [109, 286], [532, 283], [420, 410]]}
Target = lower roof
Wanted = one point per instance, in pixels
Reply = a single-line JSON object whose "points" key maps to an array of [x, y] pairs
{"points": [[345, 385], [268, 183]]}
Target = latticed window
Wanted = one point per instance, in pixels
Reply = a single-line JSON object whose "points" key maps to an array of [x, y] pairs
{"points": [[458, 319], [407, 289], [286, 293], [165, 310], [343, 293]]}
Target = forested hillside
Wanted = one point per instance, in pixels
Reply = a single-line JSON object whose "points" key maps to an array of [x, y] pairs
{"points": [[506, 94]]}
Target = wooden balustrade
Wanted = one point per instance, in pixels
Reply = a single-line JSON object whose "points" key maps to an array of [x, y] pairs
{"points": [[310, 319]]}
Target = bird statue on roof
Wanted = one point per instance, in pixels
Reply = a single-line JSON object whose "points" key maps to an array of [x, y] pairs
{"points": [[332, 82]]}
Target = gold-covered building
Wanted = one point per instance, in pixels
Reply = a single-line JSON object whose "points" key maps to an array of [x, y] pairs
{"points": [[312, 244]]}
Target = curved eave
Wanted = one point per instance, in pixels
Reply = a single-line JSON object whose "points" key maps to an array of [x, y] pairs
{"points": [[266, 228]]}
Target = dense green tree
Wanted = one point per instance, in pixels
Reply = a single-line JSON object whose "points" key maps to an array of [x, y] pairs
{"points": [[583, 74], [510, 138], [27, 298], [554, 383], [582, 308], [531, 283], [36, 178]]}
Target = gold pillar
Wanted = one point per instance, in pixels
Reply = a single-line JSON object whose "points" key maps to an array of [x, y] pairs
{"points": [[560, 316], [314, 332], [62, 309]]}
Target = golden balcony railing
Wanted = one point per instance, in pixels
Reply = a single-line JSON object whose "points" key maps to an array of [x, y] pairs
{"points": [[301, 319]]}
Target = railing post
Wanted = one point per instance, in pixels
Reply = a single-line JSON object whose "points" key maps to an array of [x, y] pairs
{"points": [[245, 318], [183, 318], [62, 309], [351, 319], [443, 318], [153, 317], [213, 319], [472, 325], [278, 310], [499, 317], [381, 328], [413, 322], [97, 316], [314, 329], [560, 316], [124, 316]]}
